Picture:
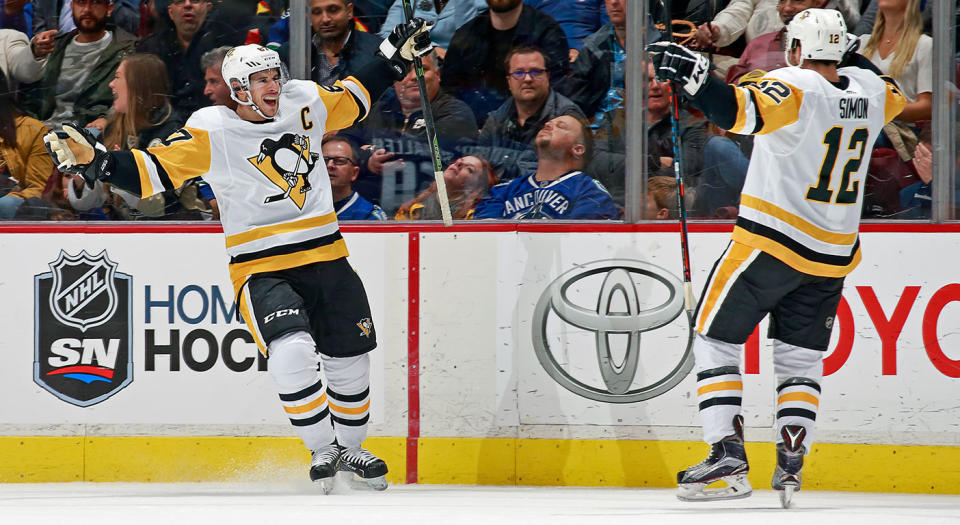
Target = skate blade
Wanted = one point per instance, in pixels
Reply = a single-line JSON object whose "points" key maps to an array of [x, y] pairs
{"points": [[786, 495], [378, 483], [326, 485], [737, 488]]}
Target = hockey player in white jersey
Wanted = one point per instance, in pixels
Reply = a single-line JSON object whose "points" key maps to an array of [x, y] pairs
{"points": [[794, 241], [288, 265]]}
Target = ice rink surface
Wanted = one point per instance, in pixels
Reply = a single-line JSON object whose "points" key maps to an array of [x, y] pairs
{"points": [[301, 504]]}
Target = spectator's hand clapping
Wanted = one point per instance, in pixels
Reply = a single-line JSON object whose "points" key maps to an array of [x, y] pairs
{"points": [[923, 161], [42, 43]]}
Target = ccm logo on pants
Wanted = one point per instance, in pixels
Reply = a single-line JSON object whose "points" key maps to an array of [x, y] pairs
{"points": [[280, 313]]}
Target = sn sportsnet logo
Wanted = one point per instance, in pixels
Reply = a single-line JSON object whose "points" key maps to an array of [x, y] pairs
{"points": [[83, 329]]}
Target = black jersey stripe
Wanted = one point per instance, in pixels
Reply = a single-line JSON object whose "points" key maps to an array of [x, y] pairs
{"points": [[796, 247], [288, 248], [362, 110], [758, 119], [161, 172]]}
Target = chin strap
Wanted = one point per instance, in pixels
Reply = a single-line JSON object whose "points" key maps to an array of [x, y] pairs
{"points": [[249, 103]]}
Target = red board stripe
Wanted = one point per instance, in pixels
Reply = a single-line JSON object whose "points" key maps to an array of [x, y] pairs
{"points": [[460, 227], [413, 354]]}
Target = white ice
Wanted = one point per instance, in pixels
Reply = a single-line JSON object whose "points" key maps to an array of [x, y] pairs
{"points": [[301, 504]]}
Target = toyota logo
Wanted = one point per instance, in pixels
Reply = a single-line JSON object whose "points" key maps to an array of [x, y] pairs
{"points": [[619, 285]]}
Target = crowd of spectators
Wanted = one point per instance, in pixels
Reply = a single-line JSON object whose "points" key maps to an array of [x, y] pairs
{"points": [[528, 98]]}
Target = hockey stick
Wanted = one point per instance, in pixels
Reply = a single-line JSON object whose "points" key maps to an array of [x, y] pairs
{"points": [[431, 129], [688, 302]]}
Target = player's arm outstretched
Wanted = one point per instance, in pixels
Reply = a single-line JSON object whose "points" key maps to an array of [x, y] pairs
{"points": [[754, 107], [184, 155]]}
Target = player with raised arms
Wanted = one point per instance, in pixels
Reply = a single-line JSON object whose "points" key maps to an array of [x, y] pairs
{"points": [[296, 290], [794, 241]]}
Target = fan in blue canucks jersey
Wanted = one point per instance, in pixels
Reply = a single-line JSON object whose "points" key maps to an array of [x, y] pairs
{"points": [[558, 189], [341, 159]]}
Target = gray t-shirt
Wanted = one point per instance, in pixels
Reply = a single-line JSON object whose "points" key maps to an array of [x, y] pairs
{"points": [[78, 61]]}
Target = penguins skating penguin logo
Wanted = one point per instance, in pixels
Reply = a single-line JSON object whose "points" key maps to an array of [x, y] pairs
{"points": [[287, 163]]}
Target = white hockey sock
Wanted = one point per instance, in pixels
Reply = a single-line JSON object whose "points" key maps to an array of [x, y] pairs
{"points": [[294, 367], [719, 386], [349, 397], [799, 373]]}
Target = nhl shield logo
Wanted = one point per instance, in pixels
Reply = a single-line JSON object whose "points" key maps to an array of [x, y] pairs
{"points": [[83, 329], [84, 295]]}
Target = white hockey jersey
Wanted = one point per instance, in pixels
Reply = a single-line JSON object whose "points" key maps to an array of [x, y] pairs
{"points": [[803, 192], [269, 178]]}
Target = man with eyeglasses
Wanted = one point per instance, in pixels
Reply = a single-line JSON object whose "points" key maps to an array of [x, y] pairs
{"points": [[509, 131], [77, 73], [341, 160], [182, 45], [473, 68]]}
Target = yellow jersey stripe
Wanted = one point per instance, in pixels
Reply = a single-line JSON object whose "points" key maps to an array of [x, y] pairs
{"points": [[799, 396], [791, 258], [278, 229], [330, 252], [146, 187], [738, 255], [350, 411], [723, 385], [775, 108], [307, 407], [185, 156], [768, 208], [342, 109], [895, 101]]}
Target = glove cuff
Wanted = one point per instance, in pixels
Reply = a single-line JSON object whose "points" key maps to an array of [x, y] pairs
{"points": [[100, 169]]}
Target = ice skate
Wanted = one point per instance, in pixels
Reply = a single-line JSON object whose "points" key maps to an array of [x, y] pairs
{"points": [[368, 468], [323, 466], [786, 477], [727, 462]]}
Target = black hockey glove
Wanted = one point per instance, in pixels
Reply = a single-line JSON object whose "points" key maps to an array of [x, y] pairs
{"points": [[408, 40], [853, 44], [75, 150], [673, 62]]}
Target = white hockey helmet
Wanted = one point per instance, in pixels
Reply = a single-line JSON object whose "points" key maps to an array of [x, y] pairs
{"points": [[243, 61], [821, 33]]}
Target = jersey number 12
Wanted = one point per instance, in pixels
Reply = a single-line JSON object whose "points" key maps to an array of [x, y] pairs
{"points": [[846, 194]]}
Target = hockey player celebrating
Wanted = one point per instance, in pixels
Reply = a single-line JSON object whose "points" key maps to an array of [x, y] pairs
{"points": [[794, 241], [298, 294]]}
